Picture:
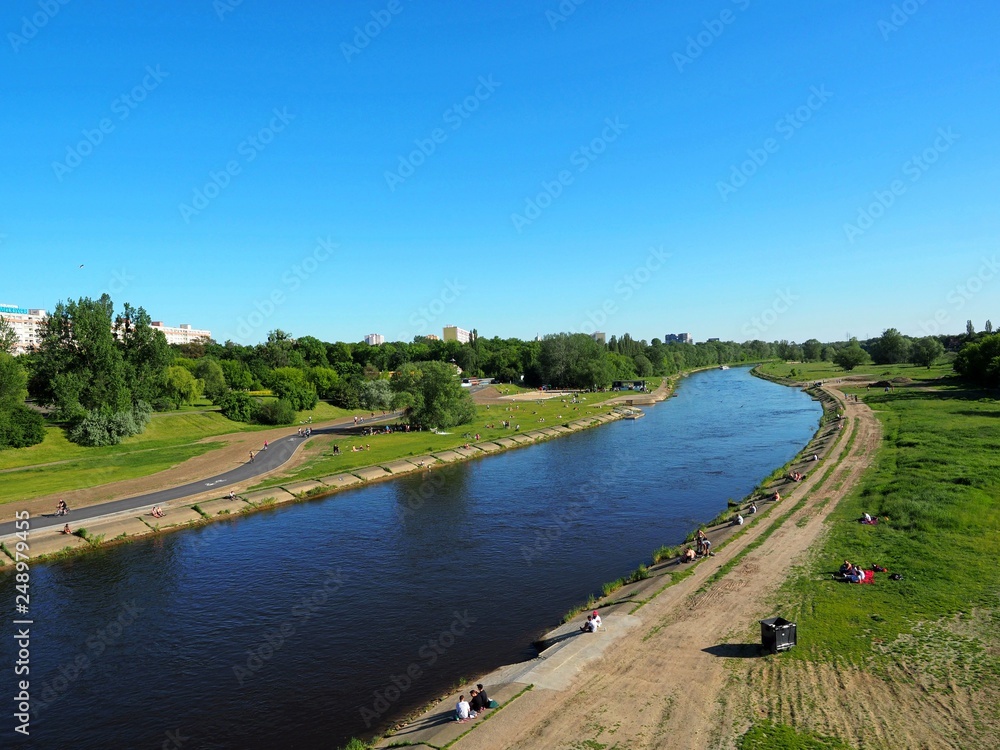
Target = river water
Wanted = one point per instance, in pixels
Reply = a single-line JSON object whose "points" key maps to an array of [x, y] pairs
{"points": [[304, 625]]}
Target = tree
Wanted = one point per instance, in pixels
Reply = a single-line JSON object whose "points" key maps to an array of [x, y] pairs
{"points": [[643, 367], [238, 406], [145, 353], [988, 327], [926, 351], [375, 395], [181, 386], [210, 373], [970, 330], [432, 395], [8, 336], [13, 383], [979, 361], [890, 348], [19, 425], [812, 350], [851, 356]]}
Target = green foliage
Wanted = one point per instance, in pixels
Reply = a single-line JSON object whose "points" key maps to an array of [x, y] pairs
{"points": [[851, 356], [375, 395], [891, 348], [106, 427], [210, 372], [237, 374], [238, 406], [181, 387], [20, 427], [979, 361], [926, 351], [432, 395], [13, 382], [290, 384], [278, 412], [766, 735], [8, 337]]}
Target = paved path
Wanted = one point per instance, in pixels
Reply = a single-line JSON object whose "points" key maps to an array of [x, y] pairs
{"points": [[277, 454]]}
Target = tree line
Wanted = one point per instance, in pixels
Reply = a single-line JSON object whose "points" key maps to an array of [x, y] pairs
{"points": [[101, 374]]}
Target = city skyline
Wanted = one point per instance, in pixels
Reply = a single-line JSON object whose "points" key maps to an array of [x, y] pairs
{"points": [[726, 167]]}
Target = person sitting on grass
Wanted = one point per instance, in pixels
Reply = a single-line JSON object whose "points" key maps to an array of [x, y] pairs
{"points": [[846, 568], [66, 529], [738, 521], [158, 512], [753, 508], [476, 701], [689, 555]]}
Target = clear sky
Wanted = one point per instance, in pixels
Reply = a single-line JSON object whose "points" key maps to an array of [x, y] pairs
{"points": [[732, 168]]}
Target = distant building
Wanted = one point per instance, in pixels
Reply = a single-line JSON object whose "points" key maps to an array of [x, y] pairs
{"points": [[182, 334], [599, 337], [715, 339], [27, 324], [454, 333], [374, 339], [678, 338]]}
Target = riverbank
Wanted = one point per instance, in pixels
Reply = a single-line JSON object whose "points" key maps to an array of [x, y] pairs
{"points": [[684, 669], [210, 506], [565, 653]]}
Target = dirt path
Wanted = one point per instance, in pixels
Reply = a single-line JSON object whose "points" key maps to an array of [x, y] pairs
{"points": [[669, 684]]}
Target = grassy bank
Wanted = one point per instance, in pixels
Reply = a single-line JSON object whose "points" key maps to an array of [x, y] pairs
{"points": [[936, 487], [57, 465]]}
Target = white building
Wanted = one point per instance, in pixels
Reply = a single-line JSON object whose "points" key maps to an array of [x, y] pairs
{"points": [[682, 338], [27, 324], [374, 339], [182, 334], [454, 333]]}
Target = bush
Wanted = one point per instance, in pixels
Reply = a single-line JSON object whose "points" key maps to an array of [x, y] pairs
{"points": [[21, 427], [237, 406], [276, 412], [105, 427]]}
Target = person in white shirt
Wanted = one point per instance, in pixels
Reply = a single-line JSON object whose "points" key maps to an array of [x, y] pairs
{"points": [[739, 520], [462, 710], [596, 619]]}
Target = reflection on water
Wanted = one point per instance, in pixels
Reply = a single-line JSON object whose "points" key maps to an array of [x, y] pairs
{"points": [[291, 627]]}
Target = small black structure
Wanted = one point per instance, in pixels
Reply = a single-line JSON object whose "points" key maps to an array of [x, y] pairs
{"points": [[777, 634]]}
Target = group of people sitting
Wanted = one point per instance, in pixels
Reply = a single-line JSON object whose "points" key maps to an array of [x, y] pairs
{"points": [[157, 512], [852, 573], [867, 519], [592, 624], [796, 476], [477, 703]]}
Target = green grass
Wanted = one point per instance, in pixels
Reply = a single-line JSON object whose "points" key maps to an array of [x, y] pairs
{"points": [[937, 481], [322, 462], [766, 735], [811, 371]]}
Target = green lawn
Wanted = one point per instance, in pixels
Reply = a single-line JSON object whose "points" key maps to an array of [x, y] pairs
{"points": [[322, 462], [810, 371], [170, 439], [937, 481]]}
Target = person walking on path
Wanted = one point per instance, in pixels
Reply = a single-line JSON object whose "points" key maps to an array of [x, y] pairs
{"points": [[251, 456], [265, 445]]}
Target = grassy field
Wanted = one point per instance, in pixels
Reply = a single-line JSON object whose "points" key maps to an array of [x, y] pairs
{"points": [[811, 371], [57, 465], [322, 462], [935, 485]]}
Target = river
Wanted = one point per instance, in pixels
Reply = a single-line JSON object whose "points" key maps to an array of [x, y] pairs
{"points": [[304, 625]]}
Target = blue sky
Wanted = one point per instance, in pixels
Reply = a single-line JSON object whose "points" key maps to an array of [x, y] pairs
{"points": [[727, 168]]}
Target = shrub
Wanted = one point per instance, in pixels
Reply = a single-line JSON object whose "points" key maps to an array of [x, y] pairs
{"points": [[106, 427], [238, 406], [276, 412], [21, 427]]}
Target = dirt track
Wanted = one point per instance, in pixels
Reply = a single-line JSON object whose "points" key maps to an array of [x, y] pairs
{"points": [[681, 680]]}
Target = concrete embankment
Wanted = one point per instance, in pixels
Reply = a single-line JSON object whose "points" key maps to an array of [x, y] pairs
{"points": [[181, 513]]}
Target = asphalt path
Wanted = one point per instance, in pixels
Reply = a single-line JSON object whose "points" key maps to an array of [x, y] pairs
{"points": [[277, 453]]}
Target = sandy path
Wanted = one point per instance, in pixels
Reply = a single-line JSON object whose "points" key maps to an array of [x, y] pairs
{"points": [[662, 686]]}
